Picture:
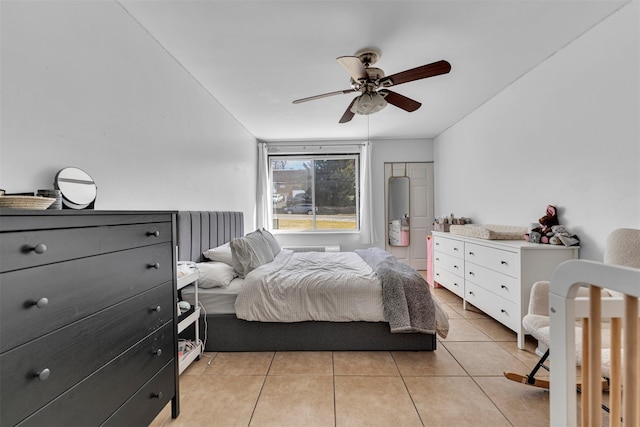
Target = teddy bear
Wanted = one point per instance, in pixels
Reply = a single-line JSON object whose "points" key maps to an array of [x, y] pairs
{"points": [[540, 233]]}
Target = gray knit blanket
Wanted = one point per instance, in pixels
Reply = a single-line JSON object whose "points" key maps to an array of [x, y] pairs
{"points": [[408, 304]]}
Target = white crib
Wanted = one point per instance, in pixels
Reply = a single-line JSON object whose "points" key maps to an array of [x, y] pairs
{"points": [[622, 311]]}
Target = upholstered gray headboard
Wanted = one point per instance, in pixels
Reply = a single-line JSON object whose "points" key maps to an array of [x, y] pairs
{"points": [[198, 231]]}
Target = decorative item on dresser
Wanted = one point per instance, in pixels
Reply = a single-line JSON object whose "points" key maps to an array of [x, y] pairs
{"points": [[495, 276], [77, 188], [88, 309]]}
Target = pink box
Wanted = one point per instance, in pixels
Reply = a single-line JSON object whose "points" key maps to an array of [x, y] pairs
{"points": [[404, 238]]}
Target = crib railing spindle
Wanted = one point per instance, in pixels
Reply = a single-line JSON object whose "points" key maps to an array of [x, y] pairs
{"points": [[595, 356], [631, 360]]}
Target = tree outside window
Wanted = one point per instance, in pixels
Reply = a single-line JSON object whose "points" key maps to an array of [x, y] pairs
{"points": [[312, 193]]}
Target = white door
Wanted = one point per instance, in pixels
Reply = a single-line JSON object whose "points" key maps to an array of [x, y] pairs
{"points": [[421, 218]]}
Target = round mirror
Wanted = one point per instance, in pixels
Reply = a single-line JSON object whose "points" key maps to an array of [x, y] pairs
{"points": [[77, 188]]}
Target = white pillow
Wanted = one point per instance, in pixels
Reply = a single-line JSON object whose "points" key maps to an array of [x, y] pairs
{"points": [[250, 252], [215, 275], [220, 254]]}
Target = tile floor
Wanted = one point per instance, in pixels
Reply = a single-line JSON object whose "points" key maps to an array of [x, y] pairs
{"points": [[459, 384]]}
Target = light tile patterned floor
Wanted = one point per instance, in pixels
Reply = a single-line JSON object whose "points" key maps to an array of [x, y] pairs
{"points": [[459, 384]]}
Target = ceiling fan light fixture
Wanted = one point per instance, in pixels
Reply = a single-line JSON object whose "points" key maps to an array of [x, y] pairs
{"points": [[368, 103], [372, 83]]}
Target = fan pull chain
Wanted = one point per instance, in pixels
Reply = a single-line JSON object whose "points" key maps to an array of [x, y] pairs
{"points": [[368, 138]]}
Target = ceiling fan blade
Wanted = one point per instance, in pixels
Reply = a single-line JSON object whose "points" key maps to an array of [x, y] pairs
{"points": [[354, 67], [324, 95], [429, 70], [348, 115], [400, 101]]}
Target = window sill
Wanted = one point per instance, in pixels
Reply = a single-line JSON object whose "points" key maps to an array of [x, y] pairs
{"points": [[323, 232]]}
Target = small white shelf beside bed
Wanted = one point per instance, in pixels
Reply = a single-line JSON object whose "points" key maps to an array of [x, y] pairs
{"points": [[192, 319]]}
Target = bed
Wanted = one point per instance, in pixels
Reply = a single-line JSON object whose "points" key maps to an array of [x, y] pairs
{"points": [[199, 231]]}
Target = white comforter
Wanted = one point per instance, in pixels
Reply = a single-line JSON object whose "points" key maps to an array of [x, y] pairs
{"points": [[300, 286]]}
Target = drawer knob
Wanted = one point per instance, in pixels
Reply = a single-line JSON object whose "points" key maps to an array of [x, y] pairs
{"points": [[157, 309], [504, 287], [503, 311], [41, 303], [158, 352], [455, 249], [503, 262], [43, 375], [153, 233], [471, 253], [455, 266], [471, 293], [471, 273], [455, 284], [157, 395], [156, 265], [39, 248]]}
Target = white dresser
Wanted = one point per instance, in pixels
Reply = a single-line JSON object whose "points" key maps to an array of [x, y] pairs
{"points": [[495, 276]]}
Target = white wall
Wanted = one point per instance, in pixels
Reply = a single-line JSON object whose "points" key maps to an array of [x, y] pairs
{"points": [[566, 134], [419, 150], [84, 85]]}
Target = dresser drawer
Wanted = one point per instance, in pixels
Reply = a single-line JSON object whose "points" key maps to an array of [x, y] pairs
{"points": [[450, 281], [72, 353], [32, 248], [447, 262], [126, 374], [497, 307], [149, 400], [500, 284], [499, 260], [42, 299], [451, 247]]}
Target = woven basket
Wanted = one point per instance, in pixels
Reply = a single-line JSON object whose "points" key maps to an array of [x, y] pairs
{"points": [[25, 202]]}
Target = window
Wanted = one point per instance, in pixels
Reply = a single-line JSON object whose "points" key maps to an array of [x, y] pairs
{"points": [[314, 193]]}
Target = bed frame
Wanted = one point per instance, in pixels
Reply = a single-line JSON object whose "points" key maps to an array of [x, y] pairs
{"points": [[198, 231]]}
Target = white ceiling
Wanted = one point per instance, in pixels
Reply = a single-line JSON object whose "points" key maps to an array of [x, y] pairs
{"points": [[256, 57]]}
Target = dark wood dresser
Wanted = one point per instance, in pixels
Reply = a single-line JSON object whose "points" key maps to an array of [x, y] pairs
{"points": [[87, 317]]}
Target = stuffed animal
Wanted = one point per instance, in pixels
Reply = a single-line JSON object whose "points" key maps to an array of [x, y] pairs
{"points": [[533, 236], [556, 231], [533, 233], [541, 232], [560, 236], [547, 222]]}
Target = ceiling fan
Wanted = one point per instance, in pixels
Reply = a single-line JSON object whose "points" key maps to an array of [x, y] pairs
{"points": [[372, 84]]}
